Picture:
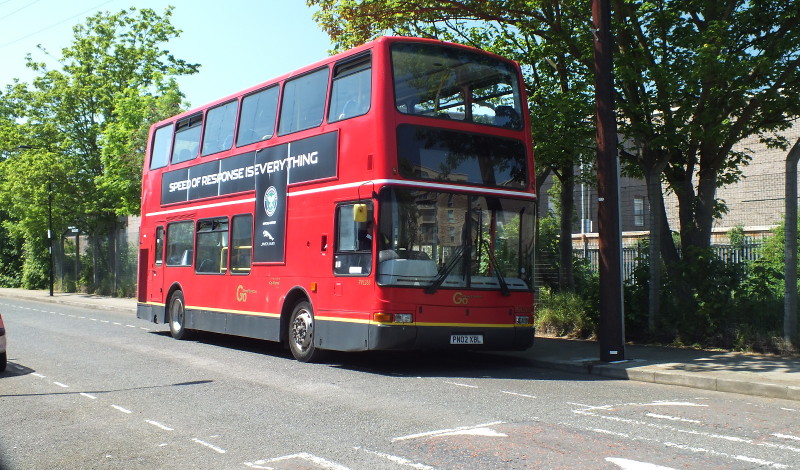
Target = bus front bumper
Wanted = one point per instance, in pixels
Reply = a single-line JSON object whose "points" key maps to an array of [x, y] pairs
{"points": [[394, 337]]}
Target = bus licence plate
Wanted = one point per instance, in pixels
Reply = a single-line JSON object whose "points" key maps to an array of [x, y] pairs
{"points": [[466, 339]]}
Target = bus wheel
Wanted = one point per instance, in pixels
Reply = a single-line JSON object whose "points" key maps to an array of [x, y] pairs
{"points": [[177, 316], [301, 333]]}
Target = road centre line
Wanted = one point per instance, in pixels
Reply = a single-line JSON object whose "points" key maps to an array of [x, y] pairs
{"points": [[210, 446], [87, 395], [523, 395], [119, 408], [61, 385], [36, 374], [159, 425], [461, 385]]}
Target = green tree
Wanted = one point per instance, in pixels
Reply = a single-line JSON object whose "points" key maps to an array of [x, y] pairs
{"points": [[693, 78], [559, 90], [82, 128]]}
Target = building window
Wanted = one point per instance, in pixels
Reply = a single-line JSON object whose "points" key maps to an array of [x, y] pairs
{"points": [[638, 212]]}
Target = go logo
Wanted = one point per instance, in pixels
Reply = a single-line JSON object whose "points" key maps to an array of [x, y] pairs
{"points": [[241, 293], [460, 299]]}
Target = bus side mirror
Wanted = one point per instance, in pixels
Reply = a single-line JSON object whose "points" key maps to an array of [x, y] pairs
{"points": [[360, 213]]}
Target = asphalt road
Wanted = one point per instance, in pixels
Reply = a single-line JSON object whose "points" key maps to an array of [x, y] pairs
{"points": [[102, 390]]}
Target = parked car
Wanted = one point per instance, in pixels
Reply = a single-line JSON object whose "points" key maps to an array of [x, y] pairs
{"points": [[3, 357]]}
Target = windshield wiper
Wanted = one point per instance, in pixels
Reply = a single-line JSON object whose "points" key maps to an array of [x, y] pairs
{"points": [[499, 275], [448, 268]]}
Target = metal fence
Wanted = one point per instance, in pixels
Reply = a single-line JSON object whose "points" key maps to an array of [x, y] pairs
{"points": [[635, 251]]}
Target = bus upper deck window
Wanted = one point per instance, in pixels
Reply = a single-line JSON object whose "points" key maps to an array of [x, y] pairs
{"points": [[159, 150], [220, 122], [303, 104], [352, 88], [451, 83], [187, 138], [257, 120]]}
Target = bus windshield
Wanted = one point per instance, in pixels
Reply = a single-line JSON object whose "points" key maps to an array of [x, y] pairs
{"points": [[440, 240], [452, 83]]}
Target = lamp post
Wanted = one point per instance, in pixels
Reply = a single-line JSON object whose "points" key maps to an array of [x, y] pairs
{"points": [[50, 230]]}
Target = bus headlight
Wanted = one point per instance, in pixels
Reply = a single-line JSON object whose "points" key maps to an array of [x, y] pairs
{"points": [[403, 318], [523, 320]]}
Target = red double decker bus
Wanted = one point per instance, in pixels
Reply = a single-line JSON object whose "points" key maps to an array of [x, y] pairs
{"points": [[380, 199]]}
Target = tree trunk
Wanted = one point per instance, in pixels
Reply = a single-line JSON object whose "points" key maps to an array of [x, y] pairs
{"points": [[656, 201], [566, 280]]}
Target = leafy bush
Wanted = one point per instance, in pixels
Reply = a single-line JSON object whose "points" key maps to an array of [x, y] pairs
{"points": [[563, 314]]}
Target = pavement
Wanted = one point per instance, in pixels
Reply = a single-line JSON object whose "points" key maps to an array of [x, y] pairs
{"points": [[732, 372]]}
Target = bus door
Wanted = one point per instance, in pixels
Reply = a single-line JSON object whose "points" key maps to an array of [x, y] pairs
{"points": [[156, 291]]}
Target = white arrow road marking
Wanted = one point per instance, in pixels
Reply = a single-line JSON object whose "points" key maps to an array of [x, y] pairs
{"points": [[635, 465]]}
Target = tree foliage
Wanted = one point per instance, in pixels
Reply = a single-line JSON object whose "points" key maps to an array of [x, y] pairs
{"points": [[692, 77], [75, 137]]}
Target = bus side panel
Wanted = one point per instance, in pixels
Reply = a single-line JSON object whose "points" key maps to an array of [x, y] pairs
{"points": [[151, 312], [267, 328], [250, 326], [341, 336]]}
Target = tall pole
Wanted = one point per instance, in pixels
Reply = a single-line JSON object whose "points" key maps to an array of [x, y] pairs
{"points": [[612, 326], [790, 249], [50, 231]]}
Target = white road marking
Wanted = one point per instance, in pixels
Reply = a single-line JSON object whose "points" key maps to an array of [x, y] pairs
{"points": [[673, 418], [61, 385], [319, 461], [89, 396], [485, 432], [397, 460], [36, 374], [159, 425], [723, 454], [131, 326], [635, 465], [523, 395], [210, 446], [786, 436], [119, 408], [461, 385], [445, 431], [611, 433]]}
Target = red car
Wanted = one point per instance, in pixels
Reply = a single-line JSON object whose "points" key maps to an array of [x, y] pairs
{"points": [[3, 357]]}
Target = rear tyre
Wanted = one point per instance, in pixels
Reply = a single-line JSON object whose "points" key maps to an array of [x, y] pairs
{"points": [[3, 361], [301, 333], [177, 316]]}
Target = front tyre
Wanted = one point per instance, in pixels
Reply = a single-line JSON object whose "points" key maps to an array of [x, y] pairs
{"points": [[301, 333], [177, 316]]}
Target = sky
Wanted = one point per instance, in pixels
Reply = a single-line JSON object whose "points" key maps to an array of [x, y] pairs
{"points": [[239, 43]]}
